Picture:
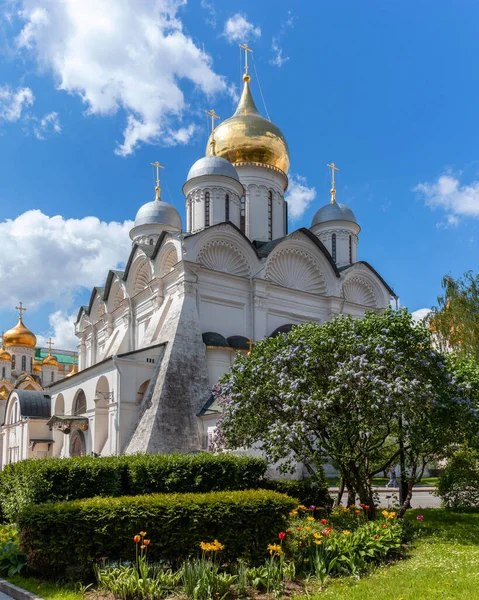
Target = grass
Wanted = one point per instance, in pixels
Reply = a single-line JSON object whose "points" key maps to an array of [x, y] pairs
{"points": [[46, 590], [443, 564], [382, 481]]}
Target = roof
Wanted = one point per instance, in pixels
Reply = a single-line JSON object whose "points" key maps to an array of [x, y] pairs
{"points": [[33, 404], [211, 338], [366, 264], [239, 342], [282, 329], [333, 212], [211, 407], [65, 357], [158, 212], [212, 165]]}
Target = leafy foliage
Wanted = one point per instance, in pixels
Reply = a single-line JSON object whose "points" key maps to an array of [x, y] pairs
{"points": [[311, 491], [458, 485], [36, 481], [67, 538], [352, 390], [12, 559]]}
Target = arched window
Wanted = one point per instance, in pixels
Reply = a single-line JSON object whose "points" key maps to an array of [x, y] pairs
{"points": [[14, 360], [350, 250], [190, 216], [151, 241], [79, 405], [270, 215], [227, 207], [333, 244], [207, 209], [31, 365], [243, 215], [51, 376], [3, 372], [24, 363]]}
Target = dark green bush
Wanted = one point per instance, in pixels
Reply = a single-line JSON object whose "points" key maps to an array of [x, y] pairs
{"points": [[68, 538], [54, 479], [307, 491], [458, 486]]}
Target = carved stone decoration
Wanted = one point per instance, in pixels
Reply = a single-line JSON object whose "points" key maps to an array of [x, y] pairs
{"points": [[223, 256], [142, 279], [170, 261], [297, 270], [119, 297], [359, 291]]}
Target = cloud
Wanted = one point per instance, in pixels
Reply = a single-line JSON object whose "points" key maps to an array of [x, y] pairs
{"points": [[279, 59], [62, 331], [51, 259], [420, 314], [13, 102], [47, 125], [121, 56], [299, 196], [456, 200], [239, 29], [211, 19]]}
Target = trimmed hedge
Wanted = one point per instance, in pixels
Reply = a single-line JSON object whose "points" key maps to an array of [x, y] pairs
{"points": [[36, 481], [307, 491], [65, 539], [458, 486]]}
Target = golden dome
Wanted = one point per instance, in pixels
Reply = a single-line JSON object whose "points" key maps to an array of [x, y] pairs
{"points": [[4, 355], [50, 361], [20, 336], [74, 371], [249, 137], [37, 367]]}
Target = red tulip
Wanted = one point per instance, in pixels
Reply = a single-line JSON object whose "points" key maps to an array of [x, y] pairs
{"points": [[281, 535]]}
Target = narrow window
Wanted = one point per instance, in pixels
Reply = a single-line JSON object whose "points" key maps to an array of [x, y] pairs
{"points": [[51, 376], [190, 212], [227, 207], [24, 363], [31, 365], [270, 215], [350, 250], [151, 241], [334, 247], [285, 218], [243, 215], [13, 361], [3, 372], [207, 209]]}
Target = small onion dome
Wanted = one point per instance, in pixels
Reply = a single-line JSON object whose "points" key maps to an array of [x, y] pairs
{"points": [[333, 212], [4, 355], [239, 342], [37, 367], [282, 329], [20, 336], [210, 338], [50, 361], [158, 212], [74, 371], [212, 165]]}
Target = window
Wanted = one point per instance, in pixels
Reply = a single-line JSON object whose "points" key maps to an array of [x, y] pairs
{"points": [[227, 207], [151, 241], [79, 405], [3, 372], [350, 250], [24, 363], [243, 215], [31, 365], [270, 215], [190, 215], [13, 361], [207, 209], [285, 218], [51, 376], [334, 247]]}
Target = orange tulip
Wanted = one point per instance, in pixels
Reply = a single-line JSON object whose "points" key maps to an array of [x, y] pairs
{"points": [[146, 542], [136, 539]]}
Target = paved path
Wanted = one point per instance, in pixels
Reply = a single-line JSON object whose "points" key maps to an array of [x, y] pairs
{"points": [[5, 597], [422, 497]]}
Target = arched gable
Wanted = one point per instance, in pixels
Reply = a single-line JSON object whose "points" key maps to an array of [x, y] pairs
{"points": [[364, 286], [298, 262], [139, 275], [167, 258], [225, 256], [116, 293]]}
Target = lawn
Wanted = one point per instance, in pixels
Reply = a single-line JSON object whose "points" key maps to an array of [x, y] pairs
{"points": [[47, 590], [443, 563]]}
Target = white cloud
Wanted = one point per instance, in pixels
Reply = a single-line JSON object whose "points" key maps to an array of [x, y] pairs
{"points": [[208, 6], [447, 193], [47, 125], [50, 259], [299, 196], [239, 29], [129, 56], [420, 314], [62, 331], [279, 59], [13, 102]]}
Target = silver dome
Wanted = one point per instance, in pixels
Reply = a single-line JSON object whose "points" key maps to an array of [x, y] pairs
{"points": [[333, 212], [212, 165], [158, 212]]}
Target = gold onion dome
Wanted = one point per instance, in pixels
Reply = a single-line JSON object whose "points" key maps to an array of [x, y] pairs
{"points": [[49, 361], [4, 355], [37, 367], [74, 371], [20, 336], [247, 137]]}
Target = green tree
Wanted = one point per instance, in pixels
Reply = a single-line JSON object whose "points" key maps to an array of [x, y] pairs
{"points": [[455, 320], [352, 390]]}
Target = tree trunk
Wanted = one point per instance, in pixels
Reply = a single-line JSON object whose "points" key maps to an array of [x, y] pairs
{"points": [[339, 497], [407, 500]]}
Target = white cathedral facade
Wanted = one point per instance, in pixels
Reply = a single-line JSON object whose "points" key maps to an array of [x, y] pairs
{"points": [[156, 338]]}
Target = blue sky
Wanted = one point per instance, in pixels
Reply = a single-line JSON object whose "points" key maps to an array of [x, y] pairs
{"points": [[91, 92]]}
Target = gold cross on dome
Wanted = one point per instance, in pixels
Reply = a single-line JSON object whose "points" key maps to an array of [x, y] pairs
{"points": [[50, 345], [250, 344], [333, 168], [157, 188], [20, 309], [213, 116], [246, 49]]}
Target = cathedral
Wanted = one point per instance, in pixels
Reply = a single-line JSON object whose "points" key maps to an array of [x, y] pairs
{"points": [[157, 336]]}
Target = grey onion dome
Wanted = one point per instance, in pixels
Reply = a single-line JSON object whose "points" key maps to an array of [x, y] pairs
{"points": [[159, 212], [333, 212], [212, 165]]}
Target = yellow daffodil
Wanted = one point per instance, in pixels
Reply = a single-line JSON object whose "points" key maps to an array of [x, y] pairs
{"points": [[309, 518], [346, 532], [275, 549], [318, 542], [308, 528], [293, 513], [318, 536]]}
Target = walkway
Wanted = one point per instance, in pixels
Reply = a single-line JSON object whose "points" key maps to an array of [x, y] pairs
{"points": [[422, 497]]}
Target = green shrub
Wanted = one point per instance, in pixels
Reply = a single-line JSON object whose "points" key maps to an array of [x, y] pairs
{"points": [[68, 538], [308, 491], [458, 485], [55, 479]]}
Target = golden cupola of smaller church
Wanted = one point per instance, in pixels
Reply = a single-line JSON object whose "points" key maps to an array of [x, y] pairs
{"points": [[20, 335], [50, 360], [4, 355]]}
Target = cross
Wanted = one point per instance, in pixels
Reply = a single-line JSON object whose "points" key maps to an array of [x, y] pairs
{"points": [[246, 49], [250, 344], [50, 345], [3, 341], [213, 116], [158, 167], [333, 168], [20, 309]]}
